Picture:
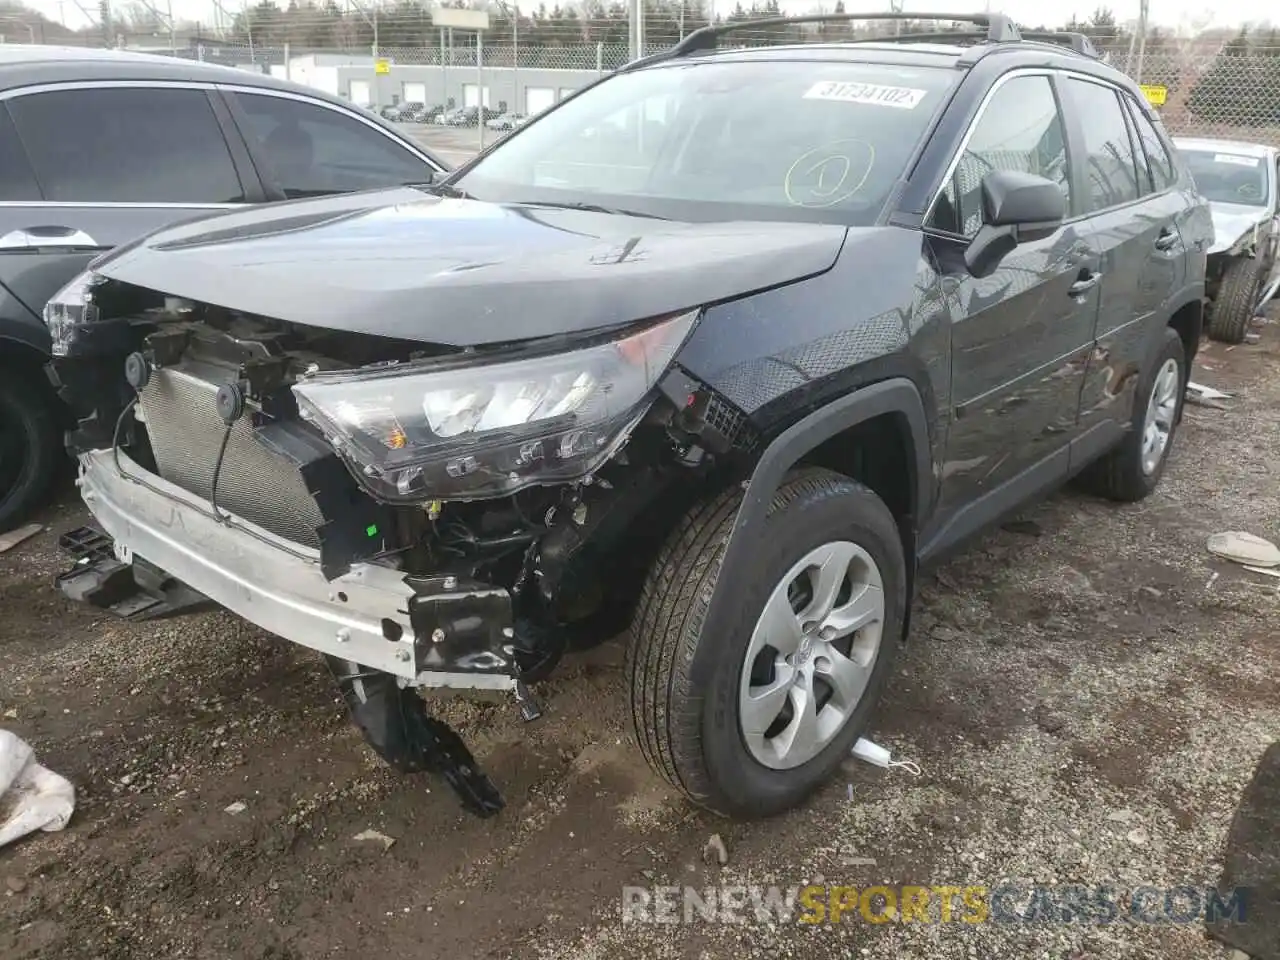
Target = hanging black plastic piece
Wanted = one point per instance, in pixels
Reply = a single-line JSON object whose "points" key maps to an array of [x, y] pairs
{"points": [[396, 724]]}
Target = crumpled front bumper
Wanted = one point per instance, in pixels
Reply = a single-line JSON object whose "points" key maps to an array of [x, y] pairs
{"points": [[430, 632]]}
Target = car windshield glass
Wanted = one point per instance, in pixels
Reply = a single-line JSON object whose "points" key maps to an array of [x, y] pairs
{"points": [[723, 140], [1226, 177]]}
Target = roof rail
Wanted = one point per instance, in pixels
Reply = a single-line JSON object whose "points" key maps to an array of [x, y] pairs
{"points": [[999, 28], [1078, 42]]}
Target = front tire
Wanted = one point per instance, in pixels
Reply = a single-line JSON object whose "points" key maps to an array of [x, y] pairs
{"points": [[1132, 470], [1238, 294], [793, 671]]}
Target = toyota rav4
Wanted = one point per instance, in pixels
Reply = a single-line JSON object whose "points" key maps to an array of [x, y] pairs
{"points": [[717, 351]]}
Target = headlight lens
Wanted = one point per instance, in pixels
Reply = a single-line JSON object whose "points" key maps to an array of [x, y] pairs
{"points": [[69, 308], [492, 429]]}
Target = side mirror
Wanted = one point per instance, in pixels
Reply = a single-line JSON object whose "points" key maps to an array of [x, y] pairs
{"points": [[1016, 207]]}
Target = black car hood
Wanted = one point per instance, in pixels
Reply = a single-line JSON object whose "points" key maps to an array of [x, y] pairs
{"points": [[406, 264]]}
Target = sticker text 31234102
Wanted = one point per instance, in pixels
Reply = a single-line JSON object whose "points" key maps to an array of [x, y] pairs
{"points": [[904, 98]]}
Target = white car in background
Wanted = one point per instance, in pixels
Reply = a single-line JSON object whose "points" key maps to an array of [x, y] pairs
{"points": [[508, 121], [1241, 181]]}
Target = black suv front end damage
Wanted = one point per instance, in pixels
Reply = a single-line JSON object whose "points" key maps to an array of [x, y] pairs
{"points": [[399, 507]]}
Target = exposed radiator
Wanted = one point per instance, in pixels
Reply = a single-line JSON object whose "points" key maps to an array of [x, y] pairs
{"points": [[254, 483]]}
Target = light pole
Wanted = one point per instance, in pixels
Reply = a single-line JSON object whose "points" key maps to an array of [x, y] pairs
{"points": [[1142, 38], [513, 11]]}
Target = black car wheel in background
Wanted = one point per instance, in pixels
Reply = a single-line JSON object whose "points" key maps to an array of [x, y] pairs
{"points": [[30, 445]]}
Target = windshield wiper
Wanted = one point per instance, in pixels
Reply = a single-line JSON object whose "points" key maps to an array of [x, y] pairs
{"points": [[442, 190], [591, 208]]}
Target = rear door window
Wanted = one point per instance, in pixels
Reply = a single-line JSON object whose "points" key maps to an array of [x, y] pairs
{"points": [[1163, 173], [126, 145], [1146, 179], [1111, 170], [17, 181], [312, 150]]}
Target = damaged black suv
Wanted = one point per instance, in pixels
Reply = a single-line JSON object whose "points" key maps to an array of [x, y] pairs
{"points": [[718, 351]]}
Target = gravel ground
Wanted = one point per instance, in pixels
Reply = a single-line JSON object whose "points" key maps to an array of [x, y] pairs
{"points": [[1084, 697]]}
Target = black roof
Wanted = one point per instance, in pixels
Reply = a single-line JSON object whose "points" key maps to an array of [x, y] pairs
{"points": [[931, 50], [25, 64], [996, 36]]}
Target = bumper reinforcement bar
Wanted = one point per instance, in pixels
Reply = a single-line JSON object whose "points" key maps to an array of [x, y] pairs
{"points": [[159, 549]]}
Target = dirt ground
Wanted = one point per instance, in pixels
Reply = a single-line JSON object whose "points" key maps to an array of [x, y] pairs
{"points": [[1084, 697]]}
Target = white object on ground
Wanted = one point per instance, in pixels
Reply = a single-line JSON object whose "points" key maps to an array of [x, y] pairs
{"points": [[879, 756], [235, 808], [1198, 391], [1267, 570], [14, 537], [374, 835], [32, 797], [1245, 548]]}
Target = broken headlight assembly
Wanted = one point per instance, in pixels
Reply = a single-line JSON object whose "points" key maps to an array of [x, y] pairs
{"points": [[489, 429], [70, 308]]}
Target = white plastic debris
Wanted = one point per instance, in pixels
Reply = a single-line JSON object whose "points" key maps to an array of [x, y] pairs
{"points": [[1206, 393], [235, 808], [32, 797], [376, 837], [880, 756], [715, 851], [1244, 548], [1203, 396]]}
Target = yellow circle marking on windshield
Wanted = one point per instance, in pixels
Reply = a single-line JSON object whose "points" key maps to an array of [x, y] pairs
{"points": [[833, 168]]}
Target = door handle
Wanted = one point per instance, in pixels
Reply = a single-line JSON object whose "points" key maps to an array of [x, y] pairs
{"points": [[1086, 283], [1166, 240], [36, 238]]}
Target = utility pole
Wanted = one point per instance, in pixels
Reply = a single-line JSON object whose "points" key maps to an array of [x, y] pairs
{"points": [[635, 24], [1142, 38]]}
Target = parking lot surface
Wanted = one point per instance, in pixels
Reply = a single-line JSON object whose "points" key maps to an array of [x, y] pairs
{"points": [[454, 145], [1086, 692]]}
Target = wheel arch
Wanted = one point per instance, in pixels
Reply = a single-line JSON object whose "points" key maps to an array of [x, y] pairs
{"points": [[1187, 318], [20, 352], [895, 401]]}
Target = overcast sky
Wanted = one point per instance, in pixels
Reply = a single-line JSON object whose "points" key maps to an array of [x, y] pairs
{"points": [[1171, 13]]}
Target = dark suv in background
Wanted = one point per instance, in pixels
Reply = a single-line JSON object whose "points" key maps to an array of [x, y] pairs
{"points": [[724, 348], [99, 147]]}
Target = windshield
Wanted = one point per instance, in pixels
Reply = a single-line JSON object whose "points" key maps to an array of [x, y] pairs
{"points": [[1225, 177], [723, 140]]}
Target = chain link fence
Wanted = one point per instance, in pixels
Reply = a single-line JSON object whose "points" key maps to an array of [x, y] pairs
{"points": [[1215, 84]]}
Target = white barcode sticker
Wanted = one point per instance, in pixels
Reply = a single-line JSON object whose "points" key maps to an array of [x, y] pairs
{"points": [[1237, 160], [904, 98]]}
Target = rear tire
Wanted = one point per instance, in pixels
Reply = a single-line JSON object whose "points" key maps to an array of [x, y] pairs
{"points": [[1238, 294], [1128, 474], [696, 737], [30, 446]]}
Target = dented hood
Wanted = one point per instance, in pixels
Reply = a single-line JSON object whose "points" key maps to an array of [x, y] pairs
{"points": [[406, 264], [1231, 221]]}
